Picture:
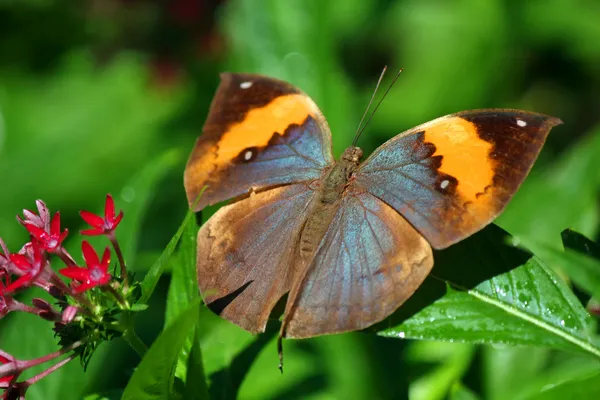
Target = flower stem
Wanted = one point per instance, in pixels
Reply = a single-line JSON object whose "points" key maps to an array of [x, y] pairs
{"points": [[120, 299], [66, 257], [18, 366], [47, 372], [15, 305], [115, 244], [135, 342]]}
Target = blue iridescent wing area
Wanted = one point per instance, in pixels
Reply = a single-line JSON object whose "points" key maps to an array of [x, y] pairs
{"points": [[452, 176], [246, 252], [369, 262], [260, 132]]}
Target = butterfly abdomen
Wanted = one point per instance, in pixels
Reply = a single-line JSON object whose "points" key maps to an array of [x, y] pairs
{"points": [[327, 202]]}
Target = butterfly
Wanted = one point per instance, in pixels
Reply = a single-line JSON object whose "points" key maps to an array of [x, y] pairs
{"points": [[347, 241]]}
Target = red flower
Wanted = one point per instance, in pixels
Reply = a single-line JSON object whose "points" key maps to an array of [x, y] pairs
{"points": [[4, 257], [42, 221], [5, 360], [102, 226], [49, 238], [30, 263], [96, 273], [3, 301]]}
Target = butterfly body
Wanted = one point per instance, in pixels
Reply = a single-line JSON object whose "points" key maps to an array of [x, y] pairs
{"points": [[348, 242]]}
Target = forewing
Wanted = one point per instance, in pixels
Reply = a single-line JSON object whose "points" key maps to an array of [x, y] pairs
{"points": [[452, 176], [370, 261], [259, 132], [245, 253]]}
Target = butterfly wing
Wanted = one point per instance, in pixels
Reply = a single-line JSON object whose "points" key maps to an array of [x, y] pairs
{"points": [[452, 176], [246, 251], [259, 132], [369, 262]]}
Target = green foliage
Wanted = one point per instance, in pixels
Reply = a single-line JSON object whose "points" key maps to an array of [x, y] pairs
{"points": [[154, 377], [80, 117], [524, 301]]}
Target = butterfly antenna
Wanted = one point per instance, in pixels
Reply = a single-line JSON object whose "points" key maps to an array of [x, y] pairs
{"points": [[377, 106], [357, 134]]}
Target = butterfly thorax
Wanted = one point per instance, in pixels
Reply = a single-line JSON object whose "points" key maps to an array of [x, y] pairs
{"points": [[337, 178], [327, 202]]}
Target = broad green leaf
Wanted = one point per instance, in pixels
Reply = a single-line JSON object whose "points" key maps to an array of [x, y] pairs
{"points": [[574, 378], [576, 241], [221, 341], [136, 197], [111, 395], [581, 261], [460, 392], [154, 377], [499, 294], [451, 362], [585, 386], [154, 273], [195, 379], [583, 269], [313, 369], [507, 370], [183, 290]]}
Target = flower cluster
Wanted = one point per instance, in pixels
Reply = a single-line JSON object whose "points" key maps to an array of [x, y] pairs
{"points": [[83, 312]]}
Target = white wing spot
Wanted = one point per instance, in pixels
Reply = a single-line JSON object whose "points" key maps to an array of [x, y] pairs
{"points": [[245, 85], [444, 183], [521, 123], [248, 155]]}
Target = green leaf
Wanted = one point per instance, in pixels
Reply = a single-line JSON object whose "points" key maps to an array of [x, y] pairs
{"points": [[111, 395], [183, 291], [154, 273], [507, 370], [460, 392], [578, 242], [138, 307], [451, 362], [507, 296], [154, 377], [195, 380], [585, 386], [583, 269], [137, 196], [574, 378]]}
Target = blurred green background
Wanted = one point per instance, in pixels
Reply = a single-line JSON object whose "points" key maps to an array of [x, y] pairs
{"points": [[93, 92]]}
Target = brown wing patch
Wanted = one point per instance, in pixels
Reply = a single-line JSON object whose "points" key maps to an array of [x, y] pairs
{"points": [[260, 125], [247, 115], [489, 152], [452, 176], [246, 252], [369, 262]]}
